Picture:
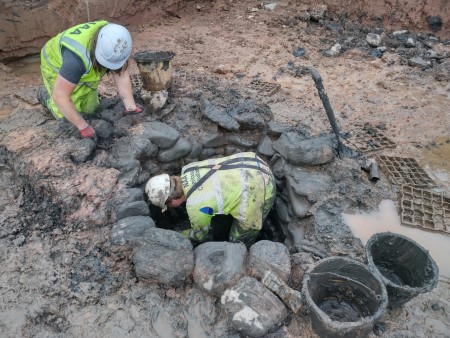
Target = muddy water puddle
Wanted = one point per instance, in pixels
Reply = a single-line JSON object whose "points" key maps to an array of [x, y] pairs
{"points": [[438, 157], [364, 225]]}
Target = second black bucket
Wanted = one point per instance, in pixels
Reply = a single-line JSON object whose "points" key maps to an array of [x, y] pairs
{"points": [[345, 298], [406, 268], [155, 68]]}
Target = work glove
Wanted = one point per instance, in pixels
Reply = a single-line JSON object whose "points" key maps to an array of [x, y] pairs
{"points": [[135, 111], [88, 132]]}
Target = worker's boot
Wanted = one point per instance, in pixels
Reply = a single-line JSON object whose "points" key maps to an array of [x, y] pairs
{"points": [[43, 97]]}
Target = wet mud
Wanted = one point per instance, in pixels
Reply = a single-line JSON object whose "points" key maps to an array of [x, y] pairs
{"points": [[153, 56], [340, 310]]}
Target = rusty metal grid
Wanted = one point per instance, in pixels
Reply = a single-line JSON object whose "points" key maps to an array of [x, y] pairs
{"points": [[136, 82], [404, 171], [179, 74], [365, 141], [425, 209], [265, 88], [183, 78]]}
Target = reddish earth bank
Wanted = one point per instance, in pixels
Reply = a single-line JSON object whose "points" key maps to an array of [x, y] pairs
{"points": [[60, 274]]}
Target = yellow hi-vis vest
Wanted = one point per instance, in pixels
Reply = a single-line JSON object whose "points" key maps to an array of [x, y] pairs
{"points": [[239, 185], [79, 40]]}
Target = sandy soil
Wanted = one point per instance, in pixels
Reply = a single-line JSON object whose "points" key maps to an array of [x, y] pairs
{"points": [[236, 43]]}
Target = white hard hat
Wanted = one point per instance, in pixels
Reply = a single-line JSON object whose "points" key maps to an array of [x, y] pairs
{"points": [[158, 190], [113, 46]]}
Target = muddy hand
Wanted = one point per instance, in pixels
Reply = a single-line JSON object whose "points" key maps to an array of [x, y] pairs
{"points": [[88, 132]]}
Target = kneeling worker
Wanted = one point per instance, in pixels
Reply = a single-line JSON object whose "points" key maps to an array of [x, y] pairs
{"points": [[241, 185], [72, 65]]}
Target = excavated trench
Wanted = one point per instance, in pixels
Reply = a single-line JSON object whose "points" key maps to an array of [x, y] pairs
{"points": [[99, 257], [142, 244]]}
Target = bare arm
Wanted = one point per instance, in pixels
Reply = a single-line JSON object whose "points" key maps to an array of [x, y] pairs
{"points": [[61, 95], [123, 83]]}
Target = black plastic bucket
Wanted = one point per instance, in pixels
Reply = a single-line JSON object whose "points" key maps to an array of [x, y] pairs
{"points": [[345, 298], [406, 268], [155, 68]]}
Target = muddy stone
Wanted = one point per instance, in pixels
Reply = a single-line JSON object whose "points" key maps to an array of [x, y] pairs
{"points": [[168, 320], [130, 228], [307, 183], [219, 116], [267, 255], [242, 142], [137, 208], [163, 256], [299, 204], [213, 141], [134, 194], [276, 128], [282, 210], [277, 164], [299, 151], [103, 129], [127, 150], [253, 309], [250, 121], [219, 265], [182, 148], [163, 135], [292, 298], [265, 147], [83, 150], [202, 314], [130, 178]]}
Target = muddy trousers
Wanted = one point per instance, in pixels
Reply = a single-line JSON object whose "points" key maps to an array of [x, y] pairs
{"points": [[246, 235]]}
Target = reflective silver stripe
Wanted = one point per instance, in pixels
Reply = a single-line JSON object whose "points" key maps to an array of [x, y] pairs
{"points": [[79, 47], [218, 193], [44, 52], [204, 197], [244, 197]]}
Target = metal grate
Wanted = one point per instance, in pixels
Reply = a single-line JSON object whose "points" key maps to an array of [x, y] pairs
{"points": [[425, 209], [179, 74], [404, 171], [367, 141], [183, 78], [265, 88], [136, 82]]}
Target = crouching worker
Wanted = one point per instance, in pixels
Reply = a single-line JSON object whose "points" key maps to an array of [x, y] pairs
{"points": [[240, 185], [72, 64]]}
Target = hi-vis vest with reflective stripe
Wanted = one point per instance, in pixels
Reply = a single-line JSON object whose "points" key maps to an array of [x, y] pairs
{"points": [[236, 185], [79, 40]]}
